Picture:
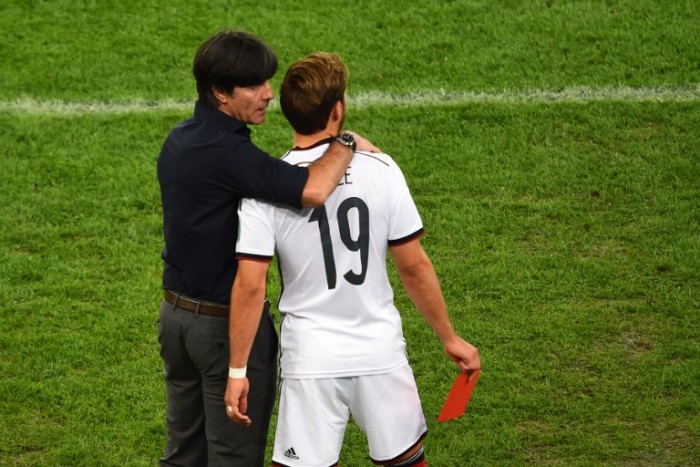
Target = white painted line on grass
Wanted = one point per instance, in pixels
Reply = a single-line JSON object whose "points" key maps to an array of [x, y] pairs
{"points": [[534, 96], [686, 93]]}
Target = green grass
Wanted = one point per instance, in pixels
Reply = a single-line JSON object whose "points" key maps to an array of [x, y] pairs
{"points": [[566, 235], [84, 50]]}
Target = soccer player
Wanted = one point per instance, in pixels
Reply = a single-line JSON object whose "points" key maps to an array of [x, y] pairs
{"points": [[342, 346]]}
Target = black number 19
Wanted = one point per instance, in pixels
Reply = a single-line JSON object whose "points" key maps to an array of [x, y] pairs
{"points": [[361, 243]]}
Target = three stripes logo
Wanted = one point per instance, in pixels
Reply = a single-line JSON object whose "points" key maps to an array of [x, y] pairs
{"points": [[291, 454]]}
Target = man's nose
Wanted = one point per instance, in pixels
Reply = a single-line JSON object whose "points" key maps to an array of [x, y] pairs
{"points": [[268, 93]]}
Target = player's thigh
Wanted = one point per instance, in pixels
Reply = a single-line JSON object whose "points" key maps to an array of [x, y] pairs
{"points": [[311, 421], [388, 409]]}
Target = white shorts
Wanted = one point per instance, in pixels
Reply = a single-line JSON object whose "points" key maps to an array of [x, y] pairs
{"points": [[313, 415]]}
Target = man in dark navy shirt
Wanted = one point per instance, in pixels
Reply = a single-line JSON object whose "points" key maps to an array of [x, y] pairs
{"points": [[206, 165]]}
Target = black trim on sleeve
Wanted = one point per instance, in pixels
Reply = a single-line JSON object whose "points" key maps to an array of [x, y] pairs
{"points": [[400, 241], [251, 257]]}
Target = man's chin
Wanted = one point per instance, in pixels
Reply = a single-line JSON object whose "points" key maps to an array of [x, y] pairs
{"points": [[259, 118]]}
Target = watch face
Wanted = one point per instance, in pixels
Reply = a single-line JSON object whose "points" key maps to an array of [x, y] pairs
{"points": [[347, 139]]}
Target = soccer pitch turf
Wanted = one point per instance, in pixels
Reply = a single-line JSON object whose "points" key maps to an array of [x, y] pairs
{"points": [[552, 150]]}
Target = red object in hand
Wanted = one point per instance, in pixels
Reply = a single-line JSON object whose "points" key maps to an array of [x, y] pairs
{"points": [[458, 398]]}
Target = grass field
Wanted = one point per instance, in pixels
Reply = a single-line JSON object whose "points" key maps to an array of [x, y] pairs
{"points": [[552, 148]]}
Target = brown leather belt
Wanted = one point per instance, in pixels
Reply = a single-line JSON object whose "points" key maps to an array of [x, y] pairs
{"points": [[196, 306]]}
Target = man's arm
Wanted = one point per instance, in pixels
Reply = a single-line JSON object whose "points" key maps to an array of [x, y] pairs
{"points": [[325, 172], [247, 299], [423, 288]]}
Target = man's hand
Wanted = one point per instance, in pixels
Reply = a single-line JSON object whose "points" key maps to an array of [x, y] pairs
{"points": [[465, 355], [364, 144], [237, 400]]}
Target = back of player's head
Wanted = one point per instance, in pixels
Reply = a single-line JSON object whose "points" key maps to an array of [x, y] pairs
{"points": [[229, 59], [310, 89]]}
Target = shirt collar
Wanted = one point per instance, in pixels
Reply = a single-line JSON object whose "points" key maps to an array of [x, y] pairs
{"points": [[321, 142], [220, 119]]}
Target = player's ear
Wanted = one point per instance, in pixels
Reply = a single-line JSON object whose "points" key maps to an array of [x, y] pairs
{"points": [[338, 112]]}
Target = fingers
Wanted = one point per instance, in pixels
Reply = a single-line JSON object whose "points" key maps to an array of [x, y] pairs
{"points": [[473, 363], [469, 366], [236, 400], [236, 415], [465, 356], [364, 144]]}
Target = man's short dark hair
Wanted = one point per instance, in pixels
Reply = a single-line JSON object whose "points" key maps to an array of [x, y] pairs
{"points": [[229, 59]]}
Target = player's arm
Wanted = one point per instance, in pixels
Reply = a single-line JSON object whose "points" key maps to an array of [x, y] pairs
{"points": [[247, 299], [325, 172], [423, 288]]}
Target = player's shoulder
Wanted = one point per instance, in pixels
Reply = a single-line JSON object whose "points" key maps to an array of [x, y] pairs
{"points": [[302, 157], [373, 160], [376, 160]]}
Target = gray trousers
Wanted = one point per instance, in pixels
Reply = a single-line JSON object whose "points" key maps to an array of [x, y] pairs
{"points": [[195, 353]]}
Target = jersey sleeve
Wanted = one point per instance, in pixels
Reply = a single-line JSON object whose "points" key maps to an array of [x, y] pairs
{"points": [[256, 237], [405, 222]]}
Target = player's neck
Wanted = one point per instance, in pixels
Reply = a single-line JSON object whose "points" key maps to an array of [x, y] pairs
{"points": [[305, 141]]}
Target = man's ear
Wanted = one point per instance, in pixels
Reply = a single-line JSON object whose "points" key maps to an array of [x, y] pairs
{"points": [[220, 96], [338, 112]]}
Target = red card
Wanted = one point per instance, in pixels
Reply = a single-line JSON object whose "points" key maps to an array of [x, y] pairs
{"points": [[458, 398]]}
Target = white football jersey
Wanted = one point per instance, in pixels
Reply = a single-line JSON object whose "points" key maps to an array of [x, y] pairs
{"points": [[338, 315]]}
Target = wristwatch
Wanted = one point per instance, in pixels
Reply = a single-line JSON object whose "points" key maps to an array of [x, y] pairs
{"points": [[348, 140]]}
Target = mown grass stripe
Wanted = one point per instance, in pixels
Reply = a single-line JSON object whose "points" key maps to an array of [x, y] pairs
{"points": [[582, 94]]}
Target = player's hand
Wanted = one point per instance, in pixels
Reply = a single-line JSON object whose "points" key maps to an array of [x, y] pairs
{"points": [[237, 400], [364, 144], [465, 355]]}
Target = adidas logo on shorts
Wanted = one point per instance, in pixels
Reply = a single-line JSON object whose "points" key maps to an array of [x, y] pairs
{"points": [[291, 453]]}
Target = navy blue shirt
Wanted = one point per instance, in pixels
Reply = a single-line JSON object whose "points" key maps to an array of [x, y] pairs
{"points": [[206, 165]]}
